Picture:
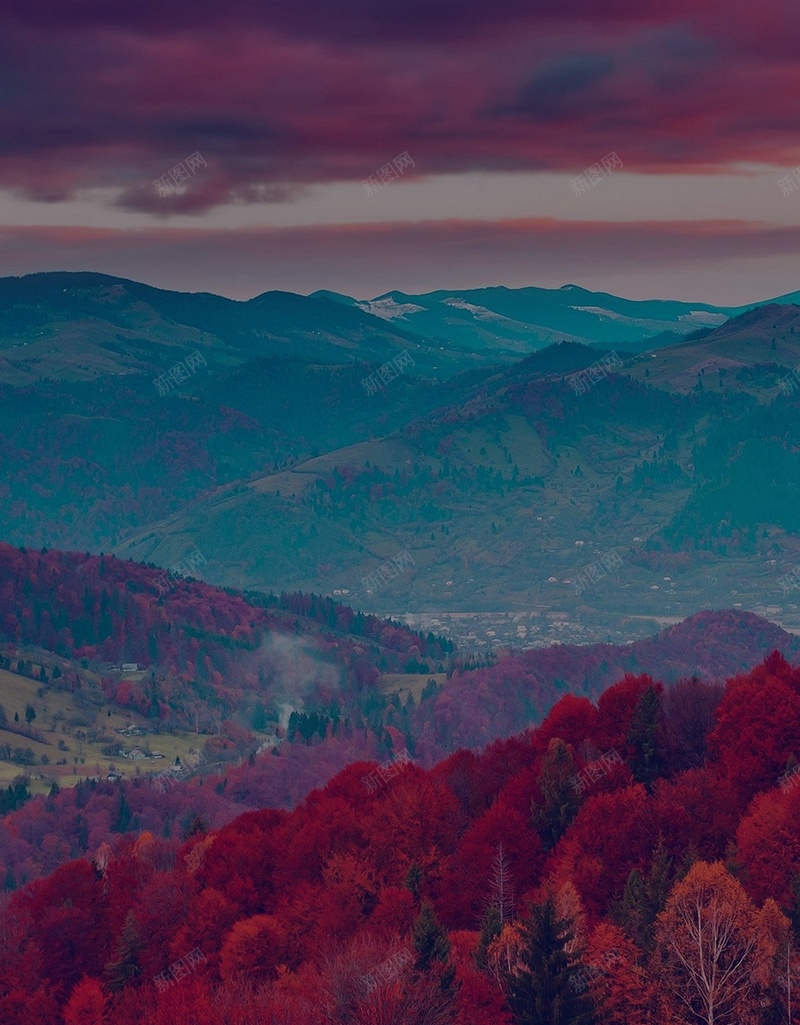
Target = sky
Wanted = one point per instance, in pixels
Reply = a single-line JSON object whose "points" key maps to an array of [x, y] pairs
{"points": [[641, 147]]}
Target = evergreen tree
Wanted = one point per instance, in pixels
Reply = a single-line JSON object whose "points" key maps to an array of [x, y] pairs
{"points": [[258, 719], [545, 988], [429, 939], [659, 883], [628, 911], [491, 928], [643, 738], [644, 898], [125, 968], [414, 879], [197, 826], [82, 834], [560, 795], [123, 815], [432, 948]]}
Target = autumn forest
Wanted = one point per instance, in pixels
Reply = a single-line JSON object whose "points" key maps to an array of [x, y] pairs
{"points": [[633, 859]]}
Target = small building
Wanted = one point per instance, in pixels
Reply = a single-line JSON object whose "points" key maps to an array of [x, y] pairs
{"points": [[130, 667], [131, 731]]}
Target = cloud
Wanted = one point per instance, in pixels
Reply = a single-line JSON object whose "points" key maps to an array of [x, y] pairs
{"points": [[280, 95], [727, 262], [362, 21], [565, 87]]}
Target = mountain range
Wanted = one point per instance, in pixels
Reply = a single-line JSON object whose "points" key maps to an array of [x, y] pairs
{"points": [[306, 443], [516, 321], [85, 325]]}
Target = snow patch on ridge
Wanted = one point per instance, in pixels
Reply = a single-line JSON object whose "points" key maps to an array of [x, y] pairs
{"points": [[599, 311], [478, 312], [388, 308], [685, 321], [704, 318]]}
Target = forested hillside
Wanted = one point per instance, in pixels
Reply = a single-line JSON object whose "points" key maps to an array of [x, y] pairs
{"points": [[505, 494], [581, 862], [265, 697], [195, 640], [501, 477]]}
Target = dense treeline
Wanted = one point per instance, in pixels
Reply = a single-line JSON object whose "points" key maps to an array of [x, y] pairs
{"points": [[469, 710], [313, 669], [632, 861], [38, 834], [195, 637]]}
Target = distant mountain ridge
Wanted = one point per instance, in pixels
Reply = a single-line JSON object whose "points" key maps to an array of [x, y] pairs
{"points": [[511, 490], [499, 480], [86, 326], [743, 353], [521, 320]]}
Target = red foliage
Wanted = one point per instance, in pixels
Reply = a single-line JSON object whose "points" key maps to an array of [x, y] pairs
{"points": [[764, 708], [291, 917], [616, 707], [87, 1004]]}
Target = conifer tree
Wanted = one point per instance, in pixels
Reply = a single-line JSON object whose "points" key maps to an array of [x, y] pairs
{"points": [[123, 815], [644, 898], [491, 927], [643, 738], [413, 879], [429, 939], [560, 794], [545, 987], [124, 968], [628, 911], [659, 882], [432, 946]]}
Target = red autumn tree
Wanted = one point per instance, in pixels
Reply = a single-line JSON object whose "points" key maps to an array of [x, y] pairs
{"points": [[87, 1004]]}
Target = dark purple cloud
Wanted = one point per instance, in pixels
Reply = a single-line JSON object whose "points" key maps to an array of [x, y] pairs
{"points": [[565, 88], [347, 21], [279, 94]]}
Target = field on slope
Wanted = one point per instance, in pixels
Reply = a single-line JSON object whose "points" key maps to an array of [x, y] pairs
{"points": [[73, 734]]}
